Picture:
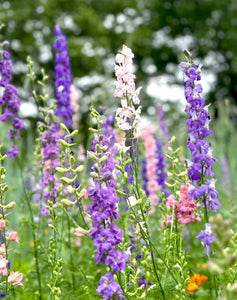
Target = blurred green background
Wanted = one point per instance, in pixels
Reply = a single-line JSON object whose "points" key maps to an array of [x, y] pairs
{"points": [[157, 32]]}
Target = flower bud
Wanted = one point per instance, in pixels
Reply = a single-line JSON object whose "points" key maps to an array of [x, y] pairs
{"points": [[10, 205], [74, 133], [67, 180], [63, 127], [103, 159], [62, 170], [79, 169], [67, 203], [70, 189], [79, 231]]}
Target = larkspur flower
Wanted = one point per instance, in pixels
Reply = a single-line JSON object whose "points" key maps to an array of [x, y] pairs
{"points": [[198, 129], [49, 185], [9, 101], [109, 289], [104, 209], [74, 99], [2, 224], [15, 278], [3, 266], [185, 208], [13, 236], [62, 78], [144, 282], [206, 237], [127, 116], [151, 164], [160, 167]]}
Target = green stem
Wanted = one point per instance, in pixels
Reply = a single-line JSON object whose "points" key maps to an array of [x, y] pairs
{"points": [[136, 188], [36, 255], [71, 256]]}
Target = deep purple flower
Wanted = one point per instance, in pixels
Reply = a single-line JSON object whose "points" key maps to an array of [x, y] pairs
{"points": [[160, 168], [62, 78], [144, 176], [104, 210], [206, 237], [200, 167], [108, 288], [9, 101], [13, 152], [143, 282], [6, 68]]}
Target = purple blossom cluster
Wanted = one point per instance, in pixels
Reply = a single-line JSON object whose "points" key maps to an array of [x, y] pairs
{"points": [[108, 288], [105, 234], [206, 237], [198, 129], [144, 176], [49, 151], [62, 78], [9, 101], [200, 167], [160, 168]]}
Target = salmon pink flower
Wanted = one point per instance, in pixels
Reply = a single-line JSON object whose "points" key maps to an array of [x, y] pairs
{"points": [[15, 278], [2, 224], [3, 266], [13, 236]]}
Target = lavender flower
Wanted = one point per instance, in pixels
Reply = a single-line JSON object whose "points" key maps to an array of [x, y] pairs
{"points": [[144, 176], [206, 237], [9, 101], [62, 78], [200, 168], [104, 232], [108, 288], [49, 151], [198, 129], [160, 168]]}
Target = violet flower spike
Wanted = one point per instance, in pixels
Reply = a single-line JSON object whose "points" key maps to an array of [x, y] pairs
{"points": [[104, 210], [10, 102], [62, 78], [200, 167]]}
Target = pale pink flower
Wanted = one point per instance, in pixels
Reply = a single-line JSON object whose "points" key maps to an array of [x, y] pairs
{"points": [[148, 135], [3, 266], [170, 201], [79, 231], [2, 250], [74, 97], [15, 278], [2, 224], [185, 208], [128, 117], [13, 236], [166, 221]]}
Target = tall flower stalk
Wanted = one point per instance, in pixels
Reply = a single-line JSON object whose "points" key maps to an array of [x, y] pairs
{"points": [[128, 119], [200, 167], [62, 78], [104, 232], [9, 101]]}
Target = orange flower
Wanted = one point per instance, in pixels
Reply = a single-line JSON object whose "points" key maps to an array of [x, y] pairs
{"points": [[195, 281], [192, 287], [198, 279]]}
